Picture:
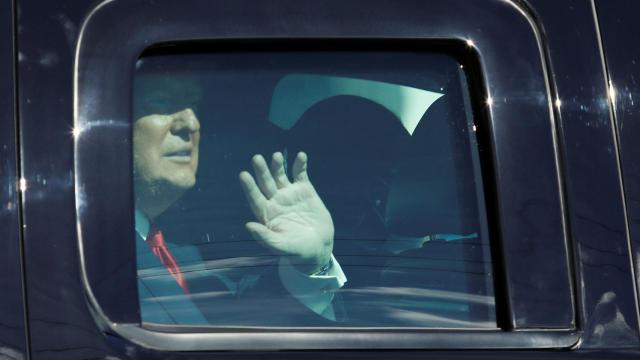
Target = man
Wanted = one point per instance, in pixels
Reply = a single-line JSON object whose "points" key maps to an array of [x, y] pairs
{"points": [[291, 220]]}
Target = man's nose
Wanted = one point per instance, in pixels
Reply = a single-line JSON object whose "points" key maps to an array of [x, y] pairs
{"points": [[184, 123]]}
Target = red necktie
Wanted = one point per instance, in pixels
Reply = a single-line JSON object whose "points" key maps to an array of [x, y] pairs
{"points": [[155, 239]]}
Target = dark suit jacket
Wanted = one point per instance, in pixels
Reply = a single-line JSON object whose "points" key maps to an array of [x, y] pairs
{"points": [[253, 299], [161, 299]]}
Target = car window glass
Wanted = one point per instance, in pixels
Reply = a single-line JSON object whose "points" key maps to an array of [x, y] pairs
{"points": [[370, 212]]}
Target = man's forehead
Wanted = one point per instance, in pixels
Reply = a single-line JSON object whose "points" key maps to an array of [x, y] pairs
{"points": [[183, 84], [165, 90]]}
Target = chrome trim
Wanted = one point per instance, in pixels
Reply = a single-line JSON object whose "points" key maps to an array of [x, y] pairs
{"points": [[312, 339], [96, 310]]}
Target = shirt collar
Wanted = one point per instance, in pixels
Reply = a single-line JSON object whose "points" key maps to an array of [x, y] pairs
{"points": [[142, 225]]}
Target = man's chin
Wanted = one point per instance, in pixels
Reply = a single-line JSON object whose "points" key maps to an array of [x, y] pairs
{"points": [[154, 197], [168, 186], [182, 183]]}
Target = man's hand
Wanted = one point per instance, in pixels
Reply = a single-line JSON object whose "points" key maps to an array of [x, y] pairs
{"points": [[292, 220]]}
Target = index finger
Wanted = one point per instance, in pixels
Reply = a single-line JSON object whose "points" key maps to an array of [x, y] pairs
{"points": [[256, 199]]}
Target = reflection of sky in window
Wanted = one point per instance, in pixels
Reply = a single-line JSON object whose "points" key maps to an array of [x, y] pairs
{"points": [[296, 93]]}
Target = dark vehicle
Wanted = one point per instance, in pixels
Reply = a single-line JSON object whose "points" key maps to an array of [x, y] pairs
{"points": [[450, 179]]}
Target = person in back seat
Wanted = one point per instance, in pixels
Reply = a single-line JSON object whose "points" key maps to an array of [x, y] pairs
{"points": [[291, 219]]}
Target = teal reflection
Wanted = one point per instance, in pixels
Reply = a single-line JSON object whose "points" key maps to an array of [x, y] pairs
{"points": [[296, 93]]}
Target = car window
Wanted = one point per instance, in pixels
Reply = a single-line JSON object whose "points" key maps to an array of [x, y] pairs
{"points": [[324, 188]]}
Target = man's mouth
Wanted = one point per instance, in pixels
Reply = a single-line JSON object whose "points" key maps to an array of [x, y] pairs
{"points": [[179, 155]]}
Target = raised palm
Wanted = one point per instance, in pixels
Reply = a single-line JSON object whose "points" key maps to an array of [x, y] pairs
{"points": [[291, 218]]}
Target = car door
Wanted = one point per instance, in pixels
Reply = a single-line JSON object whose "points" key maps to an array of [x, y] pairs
{"points": [[564, 285]]}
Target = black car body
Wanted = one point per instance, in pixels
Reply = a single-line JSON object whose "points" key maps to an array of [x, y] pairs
{"points": [[564, 79]]}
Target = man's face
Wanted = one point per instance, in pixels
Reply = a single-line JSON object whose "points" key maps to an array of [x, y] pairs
{"points": [[166, 134]]}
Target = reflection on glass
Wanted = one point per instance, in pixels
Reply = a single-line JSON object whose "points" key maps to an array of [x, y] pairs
{"points": [[288, 103], [309, 189]]}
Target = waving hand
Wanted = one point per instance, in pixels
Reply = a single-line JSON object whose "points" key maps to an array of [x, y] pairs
{"points": [[291, 218]]}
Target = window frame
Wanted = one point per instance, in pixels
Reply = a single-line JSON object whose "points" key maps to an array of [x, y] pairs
{"points": [[105, 208]]}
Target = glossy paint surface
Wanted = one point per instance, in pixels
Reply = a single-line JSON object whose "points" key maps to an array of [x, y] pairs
{"points": [[12, 328], [60, 320], [62, 325], [620, 28], [596, 213]]}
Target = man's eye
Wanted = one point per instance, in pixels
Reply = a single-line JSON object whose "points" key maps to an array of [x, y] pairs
{"points": [[156, 104], [159, 106], [165, 106]]}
